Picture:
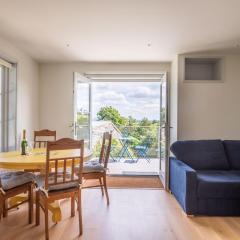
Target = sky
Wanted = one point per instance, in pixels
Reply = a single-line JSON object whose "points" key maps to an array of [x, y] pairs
{"points": [[136, 99]]}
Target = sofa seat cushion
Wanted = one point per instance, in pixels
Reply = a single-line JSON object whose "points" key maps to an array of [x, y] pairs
{"points": [[201, 154], [218, 184], [11, 180], [232, 148]]}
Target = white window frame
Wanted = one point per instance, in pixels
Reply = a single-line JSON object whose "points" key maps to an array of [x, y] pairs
{"points": [[5, 101]]}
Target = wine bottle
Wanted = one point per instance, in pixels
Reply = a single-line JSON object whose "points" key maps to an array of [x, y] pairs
{"points": [[24, 143]]}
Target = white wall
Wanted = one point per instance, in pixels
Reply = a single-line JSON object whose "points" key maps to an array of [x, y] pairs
{"points": [[27, 87], [205, 110], [56, 105], [211, 110]]}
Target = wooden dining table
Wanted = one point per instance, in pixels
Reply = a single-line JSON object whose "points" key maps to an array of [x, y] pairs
{"points": [[36, 160]]}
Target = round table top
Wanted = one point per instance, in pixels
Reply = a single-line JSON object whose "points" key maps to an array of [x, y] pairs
{"points": [[36, 159]]}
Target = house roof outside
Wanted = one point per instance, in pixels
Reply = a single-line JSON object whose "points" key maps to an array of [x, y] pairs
{"points": [[99, 127]]}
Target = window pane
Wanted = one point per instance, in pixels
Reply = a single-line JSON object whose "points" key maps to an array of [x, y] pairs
{"points": [[12, 78], [83, 112], [1, 126], [11, 135], [83, 98], [12, 105], [12, 95], [8, 94]]}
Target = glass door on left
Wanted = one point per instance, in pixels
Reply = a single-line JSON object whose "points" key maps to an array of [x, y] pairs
{"points": [[82, 109], [8, 107]]}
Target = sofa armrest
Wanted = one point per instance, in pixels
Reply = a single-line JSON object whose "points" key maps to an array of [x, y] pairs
{"points": [[183, 184]]}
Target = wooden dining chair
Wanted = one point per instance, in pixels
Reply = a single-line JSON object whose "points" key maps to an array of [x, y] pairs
{"points": [[97, 169], [12, 184], [61, 182], [42, 136]]}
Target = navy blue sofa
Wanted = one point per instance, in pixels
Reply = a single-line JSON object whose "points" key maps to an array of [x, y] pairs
{"points": [[205, 176]]}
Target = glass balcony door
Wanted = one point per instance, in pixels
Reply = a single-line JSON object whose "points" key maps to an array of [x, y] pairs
{"points": [[164, 132], [82, 109]]}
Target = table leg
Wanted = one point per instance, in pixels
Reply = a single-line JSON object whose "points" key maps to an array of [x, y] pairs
{"points": [[17, 199], [122, 151], [54, 207], [125, 151], [128, 153]]}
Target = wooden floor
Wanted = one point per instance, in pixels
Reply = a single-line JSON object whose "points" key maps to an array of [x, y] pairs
{"points": [[132, 214], [129, 182]]}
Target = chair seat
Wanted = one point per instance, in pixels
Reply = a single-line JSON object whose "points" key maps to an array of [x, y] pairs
{"points": [[40, 180], [93, 166], [218, 184], [140, 148], [12, 180]]}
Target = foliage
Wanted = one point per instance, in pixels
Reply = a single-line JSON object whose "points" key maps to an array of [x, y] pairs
{"points": [[112, 114], [142, 132], [82, 119]]}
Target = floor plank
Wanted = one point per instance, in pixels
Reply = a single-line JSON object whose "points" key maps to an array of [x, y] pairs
{"points": [[132, 214]]}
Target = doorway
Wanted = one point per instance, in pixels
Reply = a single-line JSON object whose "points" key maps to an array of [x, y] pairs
{"points": [[134, 109]]}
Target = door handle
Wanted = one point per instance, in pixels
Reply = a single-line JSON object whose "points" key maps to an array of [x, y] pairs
{"points": [[163, 127], [76, 126]]}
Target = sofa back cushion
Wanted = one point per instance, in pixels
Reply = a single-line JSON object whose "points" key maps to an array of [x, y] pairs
{"points": [[201, 154], [232, 148]]}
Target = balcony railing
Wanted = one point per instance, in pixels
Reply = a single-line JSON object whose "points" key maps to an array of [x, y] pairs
{"points": [[130, 139]]}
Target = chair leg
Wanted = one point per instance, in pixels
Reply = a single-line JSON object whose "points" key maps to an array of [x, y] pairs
{"points": [[80, 212], [105, 187], [1, 205], [30, 204], [101, 185], [37, 209], [73, 205], [5, 208], [46, 220]]}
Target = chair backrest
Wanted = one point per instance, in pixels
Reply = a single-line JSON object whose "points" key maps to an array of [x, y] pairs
{"points": [[61, 154], [106, 148], [125, 132], [42, 136], [148, 142]]}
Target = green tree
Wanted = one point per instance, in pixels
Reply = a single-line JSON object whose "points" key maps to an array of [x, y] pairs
{"points": [[132, 121], [112, 114], [143, 132]]}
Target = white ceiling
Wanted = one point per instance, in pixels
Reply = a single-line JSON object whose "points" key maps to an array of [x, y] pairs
{"points": [[119, 30]]}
